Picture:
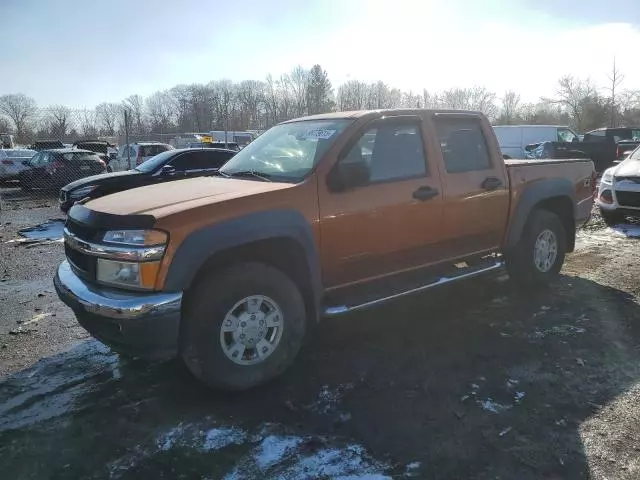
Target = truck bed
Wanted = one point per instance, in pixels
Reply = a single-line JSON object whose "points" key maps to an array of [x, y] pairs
{"points": [[579, 172]]}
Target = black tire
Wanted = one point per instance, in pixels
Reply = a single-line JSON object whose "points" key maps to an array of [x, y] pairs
{"points": [[207, 305], [520, 260], [612, 218]]}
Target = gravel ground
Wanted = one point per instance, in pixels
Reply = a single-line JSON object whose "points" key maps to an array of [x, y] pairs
{"points": [[479, 380]]}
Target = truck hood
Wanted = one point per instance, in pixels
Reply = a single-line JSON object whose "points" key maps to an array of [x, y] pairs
{"points": [[173, 197]]}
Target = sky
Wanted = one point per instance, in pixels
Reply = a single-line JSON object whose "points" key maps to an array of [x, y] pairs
{"points": [[80, 53]]}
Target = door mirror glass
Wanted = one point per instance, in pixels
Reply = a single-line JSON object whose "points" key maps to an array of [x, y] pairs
{"points": [[167, 170]]}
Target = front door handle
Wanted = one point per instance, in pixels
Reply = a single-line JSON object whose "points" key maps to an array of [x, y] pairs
{"points": [[491, 183], [425, 193]]}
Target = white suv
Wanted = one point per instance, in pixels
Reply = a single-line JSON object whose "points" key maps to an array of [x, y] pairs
{"points": [[133, 154], [619, 190]]}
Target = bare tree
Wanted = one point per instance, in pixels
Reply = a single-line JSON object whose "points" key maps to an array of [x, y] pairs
{"points": [[615, 78], [298, 82], [510, 111], [160, 108], [109, 116], [251, 95], [89, 123], [271, 99], [59, 120], [135, 105], [20, 109], [571, 94]]}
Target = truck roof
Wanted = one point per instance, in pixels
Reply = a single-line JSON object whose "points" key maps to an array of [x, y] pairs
{"points": [[363, 113]]}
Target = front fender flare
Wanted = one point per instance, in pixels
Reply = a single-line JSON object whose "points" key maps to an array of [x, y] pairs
{"points": [[202, 244]]}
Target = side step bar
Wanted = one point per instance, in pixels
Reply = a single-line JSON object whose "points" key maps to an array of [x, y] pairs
{"points": [[342, 309]]}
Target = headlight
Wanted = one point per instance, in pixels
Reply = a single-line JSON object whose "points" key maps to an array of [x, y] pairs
{"points": [[136, 237], [127, 274], [607, 176], [82, 192]]}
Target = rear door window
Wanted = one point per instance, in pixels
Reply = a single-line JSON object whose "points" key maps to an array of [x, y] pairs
{"points": [[463, 145]]}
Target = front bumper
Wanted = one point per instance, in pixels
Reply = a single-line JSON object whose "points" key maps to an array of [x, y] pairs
{"points": [[135, 323]]}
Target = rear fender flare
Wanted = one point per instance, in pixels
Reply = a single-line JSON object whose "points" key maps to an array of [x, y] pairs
{"points": [[531, 197]]}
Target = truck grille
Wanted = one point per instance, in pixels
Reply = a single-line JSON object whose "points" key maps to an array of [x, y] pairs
{"points": [[83, 265], [628, 199]]}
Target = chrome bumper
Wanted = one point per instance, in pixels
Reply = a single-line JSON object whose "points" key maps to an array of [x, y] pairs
{"points": [[111, 303]]}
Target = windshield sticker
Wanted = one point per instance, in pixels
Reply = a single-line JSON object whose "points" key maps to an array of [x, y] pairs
{"points": [[319, 133]]}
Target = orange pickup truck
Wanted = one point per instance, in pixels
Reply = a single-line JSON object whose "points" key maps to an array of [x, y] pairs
{"points": [[319, 216]]}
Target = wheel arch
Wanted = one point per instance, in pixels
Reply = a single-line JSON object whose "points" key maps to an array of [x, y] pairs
{"points": [[554, 195], [282, 239]]}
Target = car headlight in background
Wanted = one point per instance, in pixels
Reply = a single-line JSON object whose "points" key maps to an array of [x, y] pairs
{"points": [[81, 192], [136, 237], [607, 176]]}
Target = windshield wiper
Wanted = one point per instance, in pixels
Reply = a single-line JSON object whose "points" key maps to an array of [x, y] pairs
{"points": [[249, 173]]}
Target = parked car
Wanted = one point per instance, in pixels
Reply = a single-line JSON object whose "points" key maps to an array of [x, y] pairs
{"points": [[167, 166], [619, 190], [6, 141], [513, 139], [12, 162], [107, 150], [51, 169], [318, 216], [135, 154], [227, 146], [47, 145]]}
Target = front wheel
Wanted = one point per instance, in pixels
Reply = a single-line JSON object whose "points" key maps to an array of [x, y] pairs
{"points": [[242, 326], [538, 257]]}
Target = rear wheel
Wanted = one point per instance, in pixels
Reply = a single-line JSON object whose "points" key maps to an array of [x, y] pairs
{"points": [[242, 326], [538, 257], [612, 217]]}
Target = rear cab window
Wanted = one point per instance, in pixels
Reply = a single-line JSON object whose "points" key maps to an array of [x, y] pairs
{"points": [[463, 144]]}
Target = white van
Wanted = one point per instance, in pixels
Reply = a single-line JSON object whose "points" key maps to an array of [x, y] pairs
{"points": [[513, 138]]}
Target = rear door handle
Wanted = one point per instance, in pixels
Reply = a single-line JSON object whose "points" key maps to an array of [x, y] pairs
{"points": [[425, 193], [491, 183]]}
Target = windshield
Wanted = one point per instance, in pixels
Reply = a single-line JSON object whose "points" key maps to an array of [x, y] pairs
{"points": [[156, 162], [287, 152]]}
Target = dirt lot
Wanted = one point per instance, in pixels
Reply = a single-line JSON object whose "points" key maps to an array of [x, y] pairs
{"points": [[476, 381]]}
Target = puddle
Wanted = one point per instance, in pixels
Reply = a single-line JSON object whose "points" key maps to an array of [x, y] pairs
{"points": [[49, 230], [43, 233]]}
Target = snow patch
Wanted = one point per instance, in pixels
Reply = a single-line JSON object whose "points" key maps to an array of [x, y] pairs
{"points": [[218, 438], [273, 449]]}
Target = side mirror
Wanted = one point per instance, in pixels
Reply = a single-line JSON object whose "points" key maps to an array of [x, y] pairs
{"points": [[347, 175], [167, 170]]}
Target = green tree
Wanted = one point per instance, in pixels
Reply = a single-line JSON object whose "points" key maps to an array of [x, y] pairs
{"points": [[319, 91]]}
